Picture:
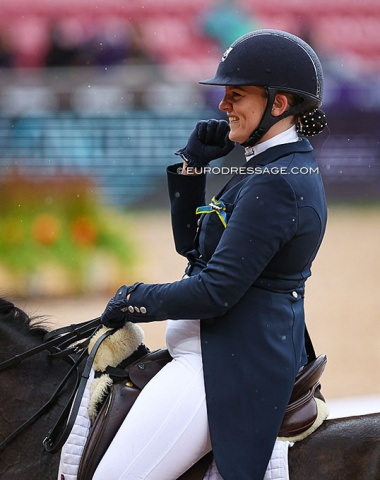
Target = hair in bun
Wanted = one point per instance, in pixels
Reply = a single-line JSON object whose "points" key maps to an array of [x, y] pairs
{"points": [[311, 123]]}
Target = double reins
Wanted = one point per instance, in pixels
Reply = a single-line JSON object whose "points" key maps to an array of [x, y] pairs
{"points": [[58, 338], [62, 343], [55, 440]]}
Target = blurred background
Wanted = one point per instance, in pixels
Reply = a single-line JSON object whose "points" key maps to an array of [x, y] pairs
{"points": [[95, 96]]}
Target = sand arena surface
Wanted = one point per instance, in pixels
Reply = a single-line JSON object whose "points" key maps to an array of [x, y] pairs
{"points": [[342, 296]]}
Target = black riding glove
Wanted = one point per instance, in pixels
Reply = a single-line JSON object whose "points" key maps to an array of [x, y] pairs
{"points": [[116, 313], [208, 141]]}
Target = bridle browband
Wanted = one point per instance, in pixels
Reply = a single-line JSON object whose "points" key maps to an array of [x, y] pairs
{"points": [[61, 343]]}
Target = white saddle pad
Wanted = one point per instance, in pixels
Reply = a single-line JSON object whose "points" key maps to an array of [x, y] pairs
{"points": [[72, 450], [277, 468]]}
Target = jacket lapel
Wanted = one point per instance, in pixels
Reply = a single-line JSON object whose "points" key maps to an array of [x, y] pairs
{"points": [[269, 156]]}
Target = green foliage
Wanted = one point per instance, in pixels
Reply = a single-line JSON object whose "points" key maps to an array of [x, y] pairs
{"points": [[61, 225]]}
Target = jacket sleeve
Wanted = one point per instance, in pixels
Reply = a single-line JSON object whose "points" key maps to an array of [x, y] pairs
{"points": [[263, 220], [186, 192]]}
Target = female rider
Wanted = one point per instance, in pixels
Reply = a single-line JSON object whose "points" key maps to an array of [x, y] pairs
{"points": [[236, 332]]}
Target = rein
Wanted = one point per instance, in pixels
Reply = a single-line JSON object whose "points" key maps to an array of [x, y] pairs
{"points": [[73, 333], [53, 444], [61, 343]]}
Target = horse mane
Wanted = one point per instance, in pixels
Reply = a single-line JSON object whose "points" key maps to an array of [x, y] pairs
{"points": [[35, 325]]}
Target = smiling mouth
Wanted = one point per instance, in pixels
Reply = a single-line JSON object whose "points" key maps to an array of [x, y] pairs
{"points": [[232, 119]]}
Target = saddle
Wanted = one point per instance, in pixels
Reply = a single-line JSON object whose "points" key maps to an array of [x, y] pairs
{"points": [[300, 416]]}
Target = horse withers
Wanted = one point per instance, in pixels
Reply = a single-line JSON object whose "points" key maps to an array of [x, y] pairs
{"points": [[341, 449]]}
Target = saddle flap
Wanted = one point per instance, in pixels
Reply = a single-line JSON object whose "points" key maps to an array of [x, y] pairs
{"points": [[299, 416], [144, 369], [302, 410]]}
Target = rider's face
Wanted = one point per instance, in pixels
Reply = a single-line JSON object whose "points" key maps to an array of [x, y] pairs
{"points": [[244, 106]]}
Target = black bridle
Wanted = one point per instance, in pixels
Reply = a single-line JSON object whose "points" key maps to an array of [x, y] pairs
{"points": [[62, 343]]}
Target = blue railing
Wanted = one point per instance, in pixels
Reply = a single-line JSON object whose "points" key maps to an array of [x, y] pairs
{"points": [[124, 154]]}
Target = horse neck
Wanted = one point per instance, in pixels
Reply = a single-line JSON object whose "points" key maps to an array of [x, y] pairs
{"points": [[24, 389], [31, 382], [15, 339]]}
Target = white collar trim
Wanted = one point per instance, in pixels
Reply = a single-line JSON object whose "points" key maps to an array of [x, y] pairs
{"points": [[289, 136]]}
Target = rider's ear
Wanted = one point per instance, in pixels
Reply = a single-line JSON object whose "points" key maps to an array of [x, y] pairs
{"points": [[280, 104]]}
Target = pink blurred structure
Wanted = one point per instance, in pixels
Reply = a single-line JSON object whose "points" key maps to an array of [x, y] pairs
{"points": [[171, 30]]}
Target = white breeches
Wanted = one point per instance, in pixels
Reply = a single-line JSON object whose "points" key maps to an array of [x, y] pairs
{"points": [[166, 430]]}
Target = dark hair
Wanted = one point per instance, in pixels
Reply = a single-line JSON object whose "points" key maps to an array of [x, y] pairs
{"points": [[311, 123], [308, 123]]}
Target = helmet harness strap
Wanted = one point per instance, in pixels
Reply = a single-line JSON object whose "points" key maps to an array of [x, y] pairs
{"points": [[268, 120]]}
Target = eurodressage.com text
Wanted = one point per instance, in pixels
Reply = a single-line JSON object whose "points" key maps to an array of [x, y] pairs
{"points": [[257, 170]]}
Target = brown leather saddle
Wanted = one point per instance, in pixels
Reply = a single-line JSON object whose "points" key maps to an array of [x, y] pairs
{"points": [[300, 414]]}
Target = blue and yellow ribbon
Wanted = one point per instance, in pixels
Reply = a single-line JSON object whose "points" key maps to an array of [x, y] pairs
{"points": [[216, 206]]}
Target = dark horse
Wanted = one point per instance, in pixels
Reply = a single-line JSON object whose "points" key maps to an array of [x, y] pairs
{"points": [[342, 449]]}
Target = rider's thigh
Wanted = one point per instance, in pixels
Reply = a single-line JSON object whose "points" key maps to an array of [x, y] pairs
{"points": [[166, 430]]}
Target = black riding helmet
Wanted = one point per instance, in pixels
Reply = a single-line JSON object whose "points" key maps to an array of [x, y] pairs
{"points": [[277, 61]]}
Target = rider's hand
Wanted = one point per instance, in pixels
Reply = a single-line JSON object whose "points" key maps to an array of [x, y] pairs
{"points": [[208, 141], [116, 313]]}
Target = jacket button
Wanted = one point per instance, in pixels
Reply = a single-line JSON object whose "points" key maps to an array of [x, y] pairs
{"points": [[142, 309], [137, 310], [295, 294], [131, 309]]}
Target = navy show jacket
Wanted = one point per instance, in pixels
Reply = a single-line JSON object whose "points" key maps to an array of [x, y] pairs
{"points": [[247, 288]]}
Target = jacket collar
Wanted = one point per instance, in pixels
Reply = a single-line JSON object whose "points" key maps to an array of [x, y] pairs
{"points": [[288, 136], [274, 153]]}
